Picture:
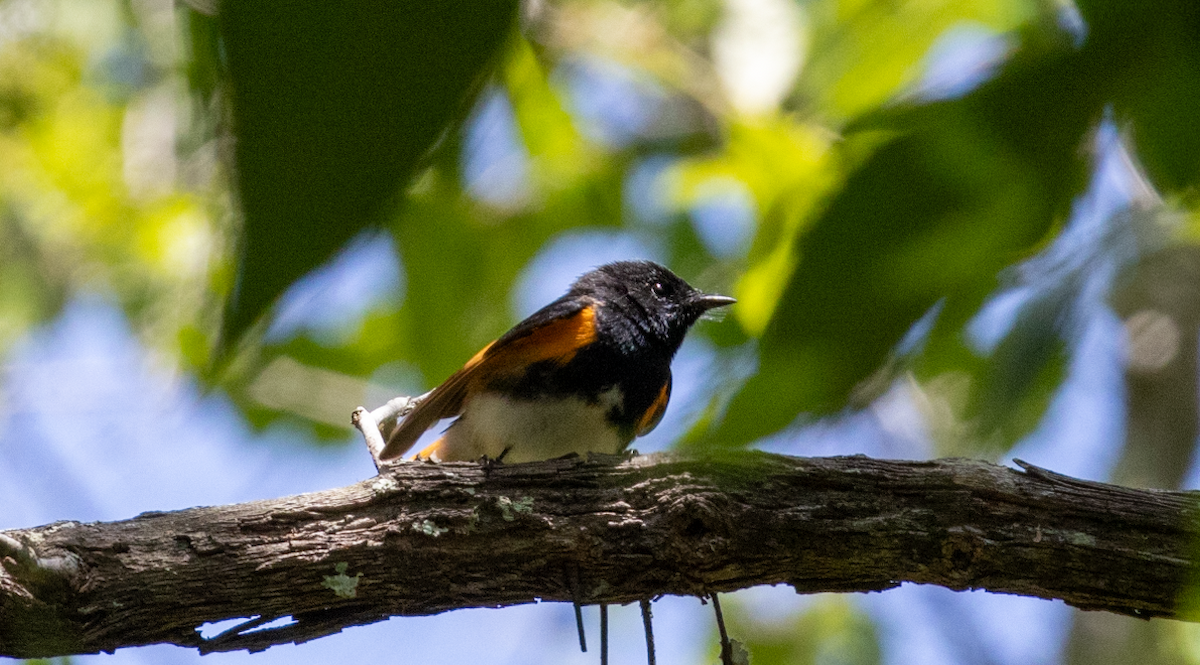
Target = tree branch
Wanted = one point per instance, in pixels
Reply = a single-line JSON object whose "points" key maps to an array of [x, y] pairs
{"points": [[425, 538]]}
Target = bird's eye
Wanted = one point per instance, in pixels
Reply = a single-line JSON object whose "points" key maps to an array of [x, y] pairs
{"points": [[658, 289]]}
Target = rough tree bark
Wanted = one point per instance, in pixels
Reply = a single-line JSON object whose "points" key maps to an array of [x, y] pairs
{"points": [[426, 538]]}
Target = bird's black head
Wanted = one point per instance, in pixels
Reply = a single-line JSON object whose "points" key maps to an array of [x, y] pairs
{"points": [[655, 300]]}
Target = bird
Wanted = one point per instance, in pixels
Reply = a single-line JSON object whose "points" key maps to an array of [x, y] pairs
{"points": [[588, 372]]}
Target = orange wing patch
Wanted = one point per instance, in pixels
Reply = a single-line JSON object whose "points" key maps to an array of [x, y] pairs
{"points": [[654, 414], [557, 340]]}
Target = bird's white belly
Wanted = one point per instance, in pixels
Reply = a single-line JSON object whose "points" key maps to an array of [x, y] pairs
{"points": [[530, 430]]}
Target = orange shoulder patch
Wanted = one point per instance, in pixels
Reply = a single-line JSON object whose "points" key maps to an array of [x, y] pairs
{"points": [[654, 414], [558, 340]]}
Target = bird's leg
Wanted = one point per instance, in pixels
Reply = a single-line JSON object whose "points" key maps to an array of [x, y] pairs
{"points": [[490, 463]]}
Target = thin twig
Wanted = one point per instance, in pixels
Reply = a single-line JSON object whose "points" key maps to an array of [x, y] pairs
{"points": [[573, 578], [603, 634], [365, 422], [579, 627], [389, 415], [649, 631], [726, 647], [373, 424]]}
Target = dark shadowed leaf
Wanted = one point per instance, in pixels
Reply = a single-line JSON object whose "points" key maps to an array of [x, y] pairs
{"points": [[1149, 56], [334, 106]]}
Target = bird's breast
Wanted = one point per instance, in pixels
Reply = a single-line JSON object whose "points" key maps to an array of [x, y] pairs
{"points": [[538, 428]]}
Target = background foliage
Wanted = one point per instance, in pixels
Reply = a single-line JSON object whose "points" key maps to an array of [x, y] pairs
{"points": [[929, 210]]}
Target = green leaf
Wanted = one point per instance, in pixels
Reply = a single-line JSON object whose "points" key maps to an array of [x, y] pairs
{"points": [[1148, 56], [832, 629], [997, 398], [335, 104], [865, 51], [966, 188]]}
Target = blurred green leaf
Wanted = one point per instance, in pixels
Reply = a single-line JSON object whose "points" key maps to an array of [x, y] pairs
{"points": [[1147, 55], [87, 190], [967, 187], [204, 53], [26, 298], [1005, 386], [334, 106], [865, 51], [1163, 115], [831, 630], [996, 397], [788, 167]]}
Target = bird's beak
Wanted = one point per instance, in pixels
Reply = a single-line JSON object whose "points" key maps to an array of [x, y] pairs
{"points": [[709, 301]]}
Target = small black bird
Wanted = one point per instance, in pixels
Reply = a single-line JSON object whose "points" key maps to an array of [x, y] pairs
{"points": [[588, 372]]}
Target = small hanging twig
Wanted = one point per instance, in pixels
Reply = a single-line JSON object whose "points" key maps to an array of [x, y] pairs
{"points": [[579, 627], [603, 634], [726, 647], [573, 580], [649, 631]]}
